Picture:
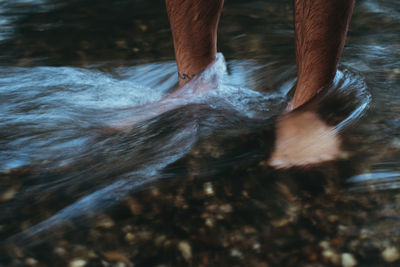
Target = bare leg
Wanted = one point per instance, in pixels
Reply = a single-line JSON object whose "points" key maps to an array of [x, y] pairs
{"points": [[194, 30], [194, 26], [320, 33], [302, 137]]}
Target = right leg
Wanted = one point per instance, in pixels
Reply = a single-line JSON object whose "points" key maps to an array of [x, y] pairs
{"points": [[194, 30]]}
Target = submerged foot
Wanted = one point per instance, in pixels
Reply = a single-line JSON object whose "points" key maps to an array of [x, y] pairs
{"points": [[303, 138], [191, 92]]}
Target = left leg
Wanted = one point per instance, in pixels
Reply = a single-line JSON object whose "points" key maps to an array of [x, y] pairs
{"points": [[320, 33], [302, 137]]}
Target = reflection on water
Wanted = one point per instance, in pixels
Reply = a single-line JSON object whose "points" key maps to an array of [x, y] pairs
{"points": [[379, 180], [97, 165]]}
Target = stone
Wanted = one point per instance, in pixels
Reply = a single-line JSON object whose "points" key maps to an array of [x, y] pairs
{"points": [[116, 256], [105, 222], [130, 237], [134, 206], [60, 251], [209, 222], [8, 194], [331, 256], [186, 250], [208, 189], [226, 208], [77, 263], [31, 262], [390, 254], [348, 260], [236, 253]]}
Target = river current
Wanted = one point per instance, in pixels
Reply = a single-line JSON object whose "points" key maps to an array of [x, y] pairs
{"points": [[88, 125]]}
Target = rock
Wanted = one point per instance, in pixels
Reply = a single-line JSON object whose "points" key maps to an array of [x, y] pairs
{"points": [[331, 256], [324, 244], [8, 194], [348, 260], [77, 263], [130, 237], [116, 256], [236, 253], [209, 222], [134, 206], [256, 246], [333, 218], [105, 222], [390, 254], [31, 262], [208, 189], [186, 250], [143, 27], [226, 208], [60, 251]]}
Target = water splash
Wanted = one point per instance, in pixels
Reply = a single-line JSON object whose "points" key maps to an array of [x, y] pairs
{"points": [[55, 120]]}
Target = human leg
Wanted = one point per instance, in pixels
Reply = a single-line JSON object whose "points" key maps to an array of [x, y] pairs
{"points": [[194, 30], [320, 33], [302, 136]]}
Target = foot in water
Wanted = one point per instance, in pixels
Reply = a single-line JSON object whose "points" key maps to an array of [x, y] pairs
{"points": [[193, 91], [303, 138], [313, 133]]}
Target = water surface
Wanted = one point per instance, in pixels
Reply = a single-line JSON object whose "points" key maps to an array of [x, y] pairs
{"points": [[92, 172]]}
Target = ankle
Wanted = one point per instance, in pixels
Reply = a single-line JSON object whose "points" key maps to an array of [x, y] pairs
{"points": [[302, 95]]}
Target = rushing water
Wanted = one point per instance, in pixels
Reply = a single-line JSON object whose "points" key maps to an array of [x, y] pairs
{"points": [[96, 142]]}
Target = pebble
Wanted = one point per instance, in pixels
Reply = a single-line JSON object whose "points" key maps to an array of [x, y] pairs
{"points": [[331, 256], [121, 43], [31, 262], [348, 260], [209, 222], [390, 254], [130, 237], [116, 256], [105, 222], [135, 207], [77, 263], [226, 208], [8, 194], [324, 244], [256, 246], [143, 27], [186, 250], [333, 218], [60, 251], [208, 189], [236, 253]]}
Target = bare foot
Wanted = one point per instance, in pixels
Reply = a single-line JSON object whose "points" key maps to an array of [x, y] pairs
{"points": [[302, 139], [191, 92]]}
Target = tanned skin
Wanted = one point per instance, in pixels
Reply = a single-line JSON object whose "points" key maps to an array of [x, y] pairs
{"points": [[320, 32], [194, 26]]}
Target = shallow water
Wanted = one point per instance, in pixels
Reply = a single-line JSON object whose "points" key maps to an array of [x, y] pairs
{"points": [[92, 171]]}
